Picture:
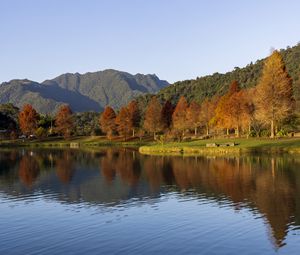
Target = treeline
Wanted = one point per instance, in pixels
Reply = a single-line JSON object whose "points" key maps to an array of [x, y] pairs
{"points": [[217, 84], [264, 110], [268, 109]]}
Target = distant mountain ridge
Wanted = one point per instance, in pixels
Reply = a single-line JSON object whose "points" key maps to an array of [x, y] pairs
{"points": [[83, 92]]}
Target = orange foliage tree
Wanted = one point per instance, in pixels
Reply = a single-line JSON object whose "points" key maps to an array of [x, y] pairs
{"points": [[193, 116], [179, 118], [274, 99], [64, 121], [107, 121], [222, 118], [28, 119], [123, 122], [153, 121], [207, 112], [134, 116]]}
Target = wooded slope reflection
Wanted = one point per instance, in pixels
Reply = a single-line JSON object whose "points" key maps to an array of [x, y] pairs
{"points": [[269, 186]]}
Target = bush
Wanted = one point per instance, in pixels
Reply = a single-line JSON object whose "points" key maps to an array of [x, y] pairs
{"points": [[41, 132], [282, 133]]}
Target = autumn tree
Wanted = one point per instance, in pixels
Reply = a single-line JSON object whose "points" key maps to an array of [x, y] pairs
{"points": [[222, 117], [153, 121], [28, 119], [238, 111], [64, 121], [274, 101], [207, 112], [193, 116], [179, 117], [134, 116], [107, 121], [123, 122], [166, 114]]}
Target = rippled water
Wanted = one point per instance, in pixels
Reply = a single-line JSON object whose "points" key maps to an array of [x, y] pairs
{"points": [[118, 201]]}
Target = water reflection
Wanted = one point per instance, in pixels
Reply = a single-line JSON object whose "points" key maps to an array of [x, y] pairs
{"points": [[268, 186]]}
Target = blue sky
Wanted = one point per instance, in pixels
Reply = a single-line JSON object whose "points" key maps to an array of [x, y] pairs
{"points": [[175, 39]]}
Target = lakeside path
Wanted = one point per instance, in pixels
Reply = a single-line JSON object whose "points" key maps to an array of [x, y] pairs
{"points": [[194, 147]]}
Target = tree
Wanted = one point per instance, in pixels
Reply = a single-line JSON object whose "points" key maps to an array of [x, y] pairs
{"points": [[207, 112], [274, 92], [28, 119], [222, 117], [193, 116], [107, 121], [238, 111], [153, 121], [64, 121], [123, 122], [134, 116], [179, 118], [166, 114]]}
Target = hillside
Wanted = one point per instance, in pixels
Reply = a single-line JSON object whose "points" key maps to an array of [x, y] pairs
{"points": [[217, 83], [83, 92]]}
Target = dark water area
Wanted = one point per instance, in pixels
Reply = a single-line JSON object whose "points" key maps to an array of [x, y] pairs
{"points": [[117, 201]]}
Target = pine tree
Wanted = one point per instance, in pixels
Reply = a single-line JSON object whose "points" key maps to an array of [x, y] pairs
{"points": [[28, 119], [64, 121], [107, 121], [153, 121], [274, 92]]}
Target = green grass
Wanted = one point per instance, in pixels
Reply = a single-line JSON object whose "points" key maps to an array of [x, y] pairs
{"points": [[291, 145], [82, 141], [147, 146]]}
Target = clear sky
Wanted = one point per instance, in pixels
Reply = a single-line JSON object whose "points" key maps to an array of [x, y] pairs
{"points": [[175, 39]]}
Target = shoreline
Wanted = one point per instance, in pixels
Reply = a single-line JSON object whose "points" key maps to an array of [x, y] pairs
{"points": [[149, 147]]}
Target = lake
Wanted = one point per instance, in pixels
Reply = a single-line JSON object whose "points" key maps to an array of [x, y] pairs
{"points": [[117, 201]]}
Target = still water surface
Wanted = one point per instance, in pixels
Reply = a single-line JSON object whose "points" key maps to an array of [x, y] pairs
{"points": [[116, 201]]}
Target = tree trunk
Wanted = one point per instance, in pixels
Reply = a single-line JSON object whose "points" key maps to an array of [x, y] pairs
{"points": [[154, 136], [272, 129], [237, 131], [207, 129], [227, 131], [133, 133], [195, 131]]}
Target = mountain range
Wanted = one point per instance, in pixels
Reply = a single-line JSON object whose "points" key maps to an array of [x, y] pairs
{"points": [[83, 92], [93, 91]]}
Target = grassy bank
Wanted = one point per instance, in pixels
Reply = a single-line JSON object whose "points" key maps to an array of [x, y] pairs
{"points": [[147, 146], [243, 146], [74, 141]]}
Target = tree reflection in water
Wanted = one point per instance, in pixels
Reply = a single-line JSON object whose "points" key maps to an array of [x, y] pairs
{"points": [[269, 186]]}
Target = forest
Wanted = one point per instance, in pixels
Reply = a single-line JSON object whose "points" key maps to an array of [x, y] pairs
{"points": [[267, 109]]}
